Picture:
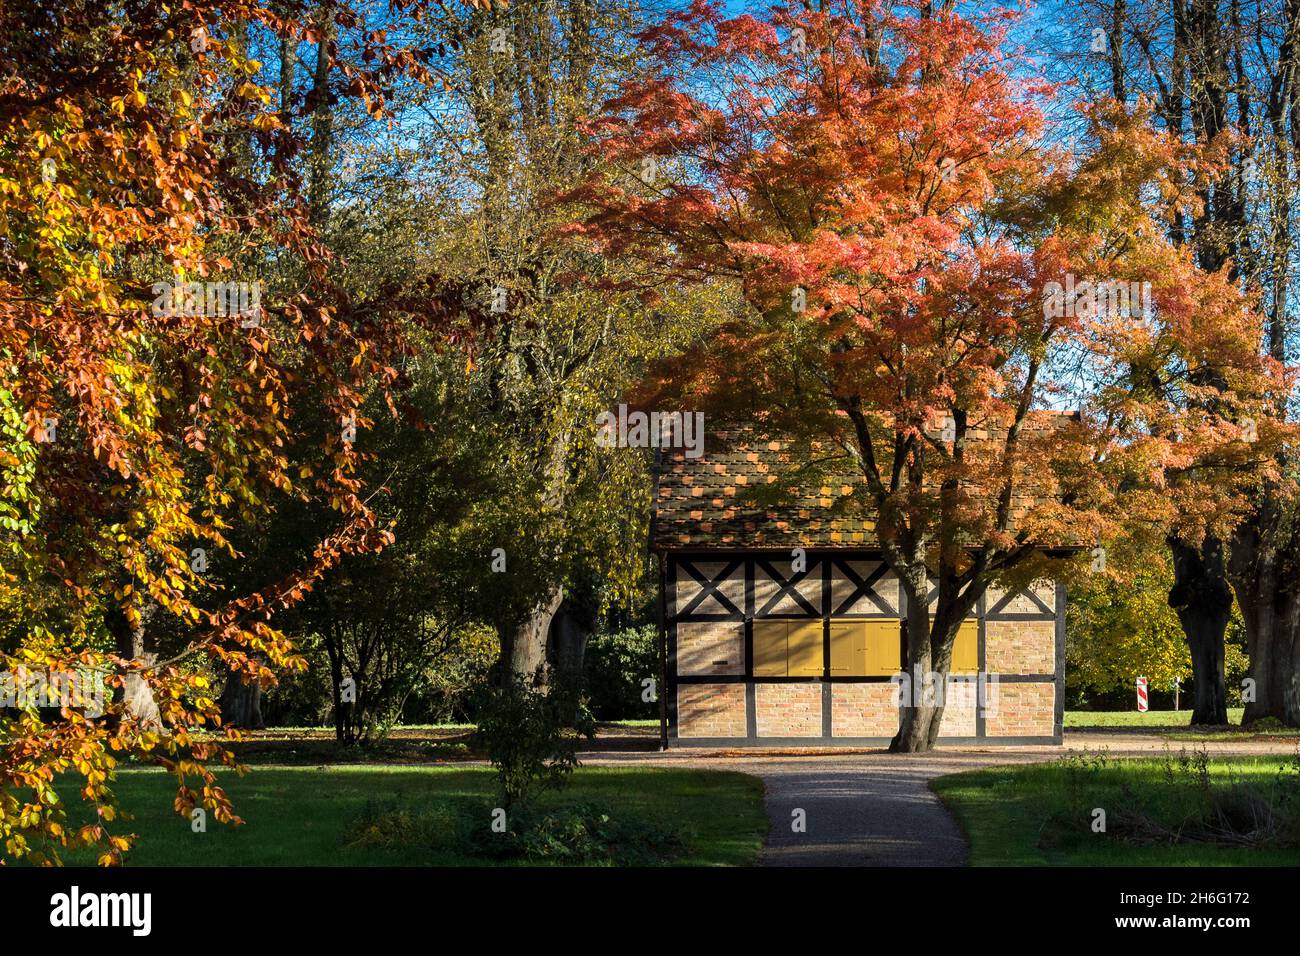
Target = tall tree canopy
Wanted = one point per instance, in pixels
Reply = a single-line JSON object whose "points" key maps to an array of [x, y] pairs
{"points": [[142, 160], [929, 281], [1222, 75]]}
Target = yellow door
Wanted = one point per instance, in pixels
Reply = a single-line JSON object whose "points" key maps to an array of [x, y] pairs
{"points": [[769, 648], [804, 649], [966, 648], [884, 654], [849, 648]]}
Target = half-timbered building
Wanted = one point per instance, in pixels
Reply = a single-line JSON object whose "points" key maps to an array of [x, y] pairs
{"points": [[767, 646]]}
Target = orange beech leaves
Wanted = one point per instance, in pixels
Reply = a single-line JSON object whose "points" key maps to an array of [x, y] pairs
{"points": [[139, 146]]}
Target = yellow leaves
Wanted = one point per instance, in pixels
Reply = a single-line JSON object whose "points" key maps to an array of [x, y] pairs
{"points": [[112, 189], [251, 91], [265, 121]]}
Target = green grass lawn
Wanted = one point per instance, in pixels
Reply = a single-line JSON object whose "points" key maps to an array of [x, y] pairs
{"points": [[1170, 723], [1042, 814], [1131, 718], [301, 815]]}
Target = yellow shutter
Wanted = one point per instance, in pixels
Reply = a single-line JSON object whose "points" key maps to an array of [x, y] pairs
{"points": [[804, 649], [884, 654], [848, 648], [769, 649], [966, 648]]}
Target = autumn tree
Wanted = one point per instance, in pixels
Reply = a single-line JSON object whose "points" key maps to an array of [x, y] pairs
{"points": [[1224, 75], [143, 166], [501, 140], [929, 280]]}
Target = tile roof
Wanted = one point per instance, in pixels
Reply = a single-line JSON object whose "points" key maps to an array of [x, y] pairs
{"points": [[749, 490]]}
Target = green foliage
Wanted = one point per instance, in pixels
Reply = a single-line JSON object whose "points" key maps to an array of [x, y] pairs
{"points": [[1120, 629], [582, 833], [1236, 665], [616, 663], [579, 833], [1119, 626], [531, 737], [1043, 814], [19, 506], [448, 693], [1190, 805]]}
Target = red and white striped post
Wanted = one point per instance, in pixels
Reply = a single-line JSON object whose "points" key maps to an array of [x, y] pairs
{"points": [[1142, 695]]}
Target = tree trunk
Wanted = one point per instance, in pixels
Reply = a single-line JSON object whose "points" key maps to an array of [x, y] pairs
{"points": [[572, 628], [135, 694], [241, 702], [1118, 14], [322, 119], [343, 724], [288, 60], [1265, 561], [927, 672], [1203, 601], [523, 648]]}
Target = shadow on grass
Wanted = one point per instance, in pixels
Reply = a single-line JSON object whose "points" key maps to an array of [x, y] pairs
{"points": [[300, 816]]}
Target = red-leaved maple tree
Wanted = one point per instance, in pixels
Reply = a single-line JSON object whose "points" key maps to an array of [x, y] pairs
{"points": [[994, 330]]}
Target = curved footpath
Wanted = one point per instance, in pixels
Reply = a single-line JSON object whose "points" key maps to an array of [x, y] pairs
{"points": [[859, 809], [875, 808]]}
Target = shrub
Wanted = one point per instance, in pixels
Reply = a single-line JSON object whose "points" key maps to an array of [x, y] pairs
{"points": [[531, 736], [576, 833], [579, 833], [615, 664], [1189, 806], [388, 825]]}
